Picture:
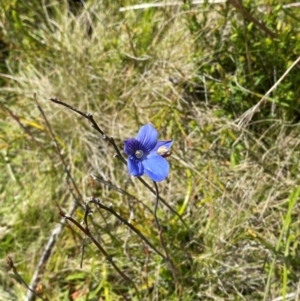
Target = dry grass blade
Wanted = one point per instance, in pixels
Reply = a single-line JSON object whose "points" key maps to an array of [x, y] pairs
{"points": [[165, 4], [247, 116]]}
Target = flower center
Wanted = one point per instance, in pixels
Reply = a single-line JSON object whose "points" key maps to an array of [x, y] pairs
{"points": [[139, 154]]}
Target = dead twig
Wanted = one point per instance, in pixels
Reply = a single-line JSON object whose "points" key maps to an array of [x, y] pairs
{"points": [[87, 233], [124, 221], [11, 266], [239, 6]]}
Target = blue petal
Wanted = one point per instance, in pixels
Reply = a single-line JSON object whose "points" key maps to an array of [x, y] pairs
{"points": [[135, 167], [130, 146], [156, 167], [166, 143], [147, 136]]}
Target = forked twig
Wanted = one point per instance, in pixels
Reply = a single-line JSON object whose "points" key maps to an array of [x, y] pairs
{"points": [[12, 267], [87, 232], [124, 221], [120, 190]]}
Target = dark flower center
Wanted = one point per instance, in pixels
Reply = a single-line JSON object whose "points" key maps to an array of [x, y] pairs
{"points": [[139, 154]]}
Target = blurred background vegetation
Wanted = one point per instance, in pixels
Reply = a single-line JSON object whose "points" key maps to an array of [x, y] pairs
{"points": [[190, 69]]}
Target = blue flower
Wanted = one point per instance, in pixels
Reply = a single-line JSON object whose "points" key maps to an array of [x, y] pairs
{"points": [[146, 155]]}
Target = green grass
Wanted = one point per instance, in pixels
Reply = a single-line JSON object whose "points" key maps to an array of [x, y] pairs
{"points": [[191, 71]]}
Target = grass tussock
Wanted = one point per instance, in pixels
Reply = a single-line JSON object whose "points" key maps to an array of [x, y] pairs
{"points": [[190, 71]]}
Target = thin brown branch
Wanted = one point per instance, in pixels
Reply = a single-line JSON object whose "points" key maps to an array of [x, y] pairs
{"points": [[87, 232], [11, 266], [124, 221], [89, 116], [239, 6], [17, 119], [66, 170], [120, 190]]}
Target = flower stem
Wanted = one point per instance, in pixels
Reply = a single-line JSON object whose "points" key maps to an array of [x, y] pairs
{"points": [[162, 243]]}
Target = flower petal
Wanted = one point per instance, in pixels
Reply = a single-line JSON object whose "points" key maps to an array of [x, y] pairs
{"points": [[130, 146], [166, 143], [135, 167], [156, 167], [147, 136]]}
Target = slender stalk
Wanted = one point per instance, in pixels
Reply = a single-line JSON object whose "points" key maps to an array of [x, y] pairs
{"points": [[162, 243], [162, 200]]}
